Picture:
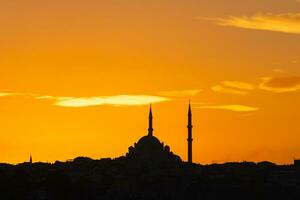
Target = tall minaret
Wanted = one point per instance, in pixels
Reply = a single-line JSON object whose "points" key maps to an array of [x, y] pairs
{"points": [[150, 129], [190, 139], [30, 159]]}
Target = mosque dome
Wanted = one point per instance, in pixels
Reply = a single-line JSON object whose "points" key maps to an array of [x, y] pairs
{"points": [[149, 140], [149, 145], [150, 150]]}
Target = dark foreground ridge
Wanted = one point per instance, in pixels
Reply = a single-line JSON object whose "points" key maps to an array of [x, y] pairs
{"points": [[123, 178]]}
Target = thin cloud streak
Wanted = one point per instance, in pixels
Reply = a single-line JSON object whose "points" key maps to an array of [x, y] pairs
{"points": [[221, 89], [6, 94], [235, 108], [179, 93], [285, 23], [239, 85], [48, 97], [118, 100]]}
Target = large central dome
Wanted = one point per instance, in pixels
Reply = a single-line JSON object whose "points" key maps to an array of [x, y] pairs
{"points": [[150, 150], [149, 145], [149, 140]]}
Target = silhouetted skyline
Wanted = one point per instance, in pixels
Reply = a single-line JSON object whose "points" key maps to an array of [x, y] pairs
{"points": [[149, 170]]}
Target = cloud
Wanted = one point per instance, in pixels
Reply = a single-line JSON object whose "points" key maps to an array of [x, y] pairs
{"points": [[48, 97], [281, 84], [179, 93], [286, 23], [221, 89], [235, 108], [118, 100], [239, 85], [6, 94]]}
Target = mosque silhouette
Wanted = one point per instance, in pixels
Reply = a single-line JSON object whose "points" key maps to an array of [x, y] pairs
{"points": [[150, 150]]}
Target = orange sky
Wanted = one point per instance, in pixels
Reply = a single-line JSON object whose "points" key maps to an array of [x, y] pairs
{"points": [[77, 78]]}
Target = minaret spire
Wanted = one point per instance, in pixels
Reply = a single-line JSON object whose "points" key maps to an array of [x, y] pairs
{"points": [[190, 109], [190, 137], [150, 129]]}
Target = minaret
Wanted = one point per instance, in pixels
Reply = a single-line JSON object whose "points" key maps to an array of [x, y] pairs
{"points": [[190, 139], [30, 159], [150, 129]]}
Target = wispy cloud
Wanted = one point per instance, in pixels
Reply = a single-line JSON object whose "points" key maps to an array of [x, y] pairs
{"points": [[280, 84], [235, 108], [239, 85], [118, 100], [286, 23], [56, 98], [179, 93], [221, 89], [5, 94]]}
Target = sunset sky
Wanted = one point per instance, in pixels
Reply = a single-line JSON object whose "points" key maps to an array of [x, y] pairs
{"points": [[77, 78]]}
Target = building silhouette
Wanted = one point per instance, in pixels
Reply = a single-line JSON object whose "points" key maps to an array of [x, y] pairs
{"points": [[149, 149], [297, 163]]}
